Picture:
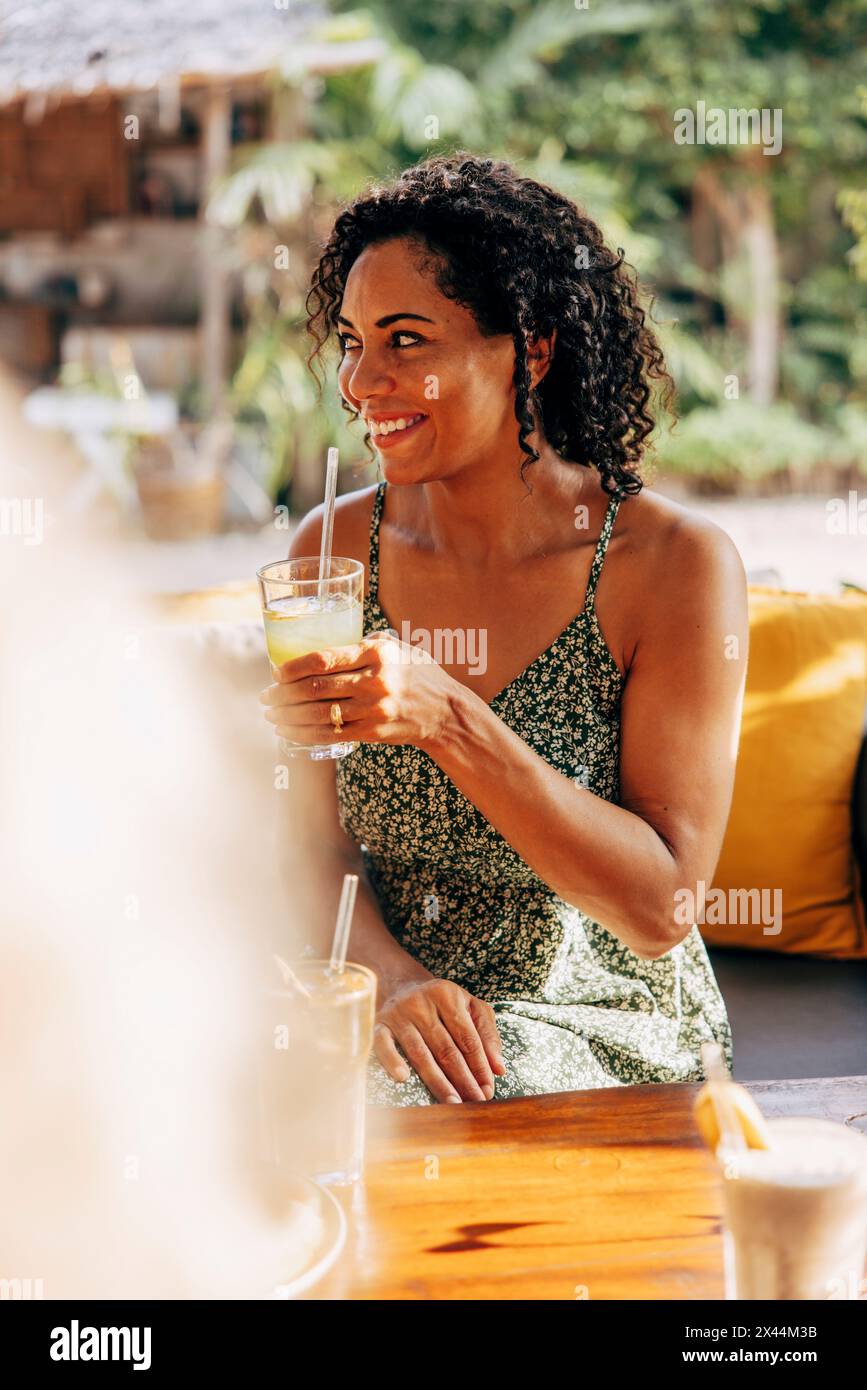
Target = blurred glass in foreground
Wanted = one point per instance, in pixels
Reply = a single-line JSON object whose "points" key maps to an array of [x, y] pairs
{"points": [[141, 906]]}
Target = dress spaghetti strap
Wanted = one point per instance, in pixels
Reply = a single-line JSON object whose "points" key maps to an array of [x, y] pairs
{"points": [[373, 559], [601, 548]]}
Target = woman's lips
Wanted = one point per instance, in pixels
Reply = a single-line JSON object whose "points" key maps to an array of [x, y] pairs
{"points": [[388, 441]]}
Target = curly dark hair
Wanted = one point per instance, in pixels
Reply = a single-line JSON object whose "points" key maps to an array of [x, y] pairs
{"points": [[524, 260]]}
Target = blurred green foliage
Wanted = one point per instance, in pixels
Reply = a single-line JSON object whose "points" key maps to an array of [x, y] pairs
{"points": [[584, 97]]}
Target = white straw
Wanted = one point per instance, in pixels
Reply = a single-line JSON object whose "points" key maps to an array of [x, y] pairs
{"points": [[344, 922], [327, 522]]}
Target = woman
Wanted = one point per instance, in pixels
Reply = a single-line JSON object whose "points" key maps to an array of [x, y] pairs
{"points": [[521, 823]]}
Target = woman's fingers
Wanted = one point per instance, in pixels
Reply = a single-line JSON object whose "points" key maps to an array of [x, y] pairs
{"points": [[485, 1020], [313, 716], [357, 657], [311, 688], [447, 1035], [386, 1050], [417, 1052], [458, 1051]]}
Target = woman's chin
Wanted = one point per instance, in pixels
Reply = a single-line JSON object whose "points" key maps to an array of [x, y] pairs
{"points": [[408, 470]]}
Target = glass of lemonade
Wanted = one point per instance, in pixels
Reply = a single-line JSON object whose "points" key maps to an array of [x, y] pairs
{"points": [[314, 1055], [795, 1215], [299, 618]]}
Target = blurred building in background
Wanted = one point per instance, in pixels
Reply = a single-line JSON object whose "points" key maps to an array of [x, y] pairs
{"points": [[117, 292]]}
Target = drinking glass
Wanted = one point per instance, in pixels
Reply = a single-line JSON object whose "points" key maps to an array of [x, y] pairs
{"points": [[795, 1216], [299, 619], [315, 1044]]}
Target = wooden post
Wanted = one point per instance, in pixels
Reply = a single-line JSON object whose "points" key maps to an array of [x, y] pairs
{"points": [[215, 282], [289, 122]]}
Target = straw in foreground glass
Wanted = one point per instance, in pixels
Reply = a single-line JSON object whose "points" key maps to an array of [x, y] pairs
{"points": [[315, 1086], [794, 1196], [309, 604]]}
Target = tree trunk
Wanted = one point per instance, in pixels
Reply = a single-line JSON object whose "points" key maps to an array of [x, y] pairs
{"points": [[215, 281], [760, 245], [748, 238]]}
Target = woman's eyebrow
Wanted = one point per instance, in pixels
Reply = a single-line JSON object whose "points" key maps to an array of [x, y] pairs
{"points": [[389, 318]]}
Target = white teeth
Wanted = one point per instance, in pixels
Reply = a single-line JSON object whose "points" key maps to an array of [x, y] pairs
{"points": [[389, 426]]}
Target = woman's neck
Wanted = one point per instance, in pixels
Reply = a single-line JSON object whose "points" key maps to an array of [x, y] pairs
{"points": [[485, 516]]}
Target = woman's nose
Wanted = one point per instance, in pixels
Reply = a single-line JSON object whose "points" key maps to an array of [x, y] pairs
{"points": [[369, 377]]}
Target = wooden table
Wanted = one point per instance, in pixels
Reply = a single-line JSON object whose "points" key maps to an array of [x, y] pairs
{"points": [[602, 1194]]}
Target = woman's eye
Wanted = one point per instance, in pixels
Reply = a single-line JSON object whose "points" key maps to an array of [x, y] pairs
{"points": [[348, 344]]}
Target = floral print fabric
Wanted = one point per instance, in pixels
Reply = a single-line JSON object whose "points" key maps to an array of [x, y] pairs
{"points": [[575, 1008]]}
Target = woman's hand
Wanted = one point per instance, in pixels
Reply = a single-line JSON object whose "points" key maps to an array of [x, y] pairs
{"points": [[448, 1036], [388, 692]]}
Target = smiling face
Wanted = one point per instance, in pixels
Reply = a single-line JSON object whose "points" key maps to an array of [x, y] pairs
{"points": [[411, 355]]}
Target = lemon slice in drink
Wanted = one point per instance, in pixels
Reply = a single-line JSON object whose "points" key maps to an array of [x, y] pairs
{"points": [[747, 1114]]}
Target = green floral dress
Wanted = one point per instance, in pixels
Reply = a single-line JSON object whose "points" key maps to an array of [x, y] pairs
{"points": [[574, 1006]]}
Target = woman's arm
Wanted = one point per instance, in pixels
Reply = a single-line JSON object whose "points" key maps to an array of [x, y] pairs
{"points": [[680, 717]]}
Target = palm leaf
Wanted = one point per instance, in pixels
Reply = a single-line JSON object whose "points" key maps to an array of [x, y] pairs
{"points": [[405, 93], [550, 28], [280, 176]]}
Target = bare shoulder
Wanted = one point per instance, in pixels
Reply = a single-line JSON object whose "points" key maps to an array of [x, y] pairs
{"points": [[352, 514], [669, 545], [677, 570]]}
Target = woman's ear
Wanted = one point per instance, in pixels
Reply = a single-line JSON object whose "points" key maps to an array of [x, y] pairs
{"points": [[540, 355]]}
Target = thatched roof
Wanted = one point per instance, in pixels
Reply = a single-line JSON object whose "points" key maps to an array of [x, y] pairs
{"points": [[75, 47]]}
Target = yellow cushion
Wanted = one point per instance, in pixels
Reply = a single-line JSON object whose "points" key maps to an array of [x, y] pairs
{"points": [[790, 826]]}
